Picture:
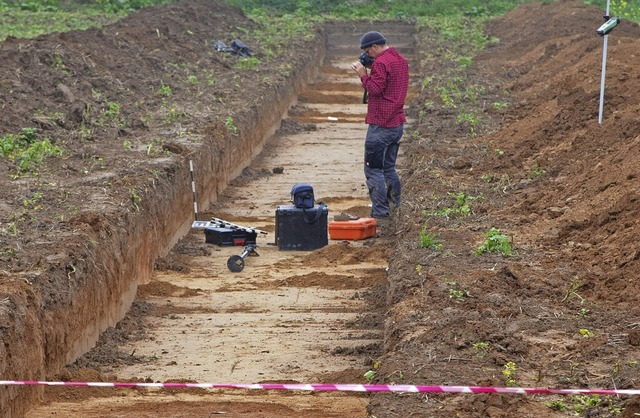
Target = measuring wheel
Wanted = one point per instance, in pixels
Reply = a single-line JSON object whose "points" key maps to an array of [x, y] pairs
{"points": [[235, 263]]}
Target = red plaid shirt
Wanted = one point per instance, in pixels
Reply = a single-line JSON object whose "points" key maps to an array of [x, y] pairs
{"points": [[387, 89]]}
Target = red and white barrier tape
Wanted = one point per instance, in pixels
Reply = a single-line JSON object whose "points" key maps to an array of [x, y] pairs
{"points": [[335, 387]]}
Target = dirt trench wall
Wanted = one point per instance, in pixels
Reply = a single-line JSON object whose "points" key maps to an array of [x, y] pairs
{"points": [[117, 252]]}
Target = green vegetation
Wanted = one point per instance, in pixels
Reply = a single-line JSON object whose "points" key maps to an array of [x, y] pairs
{"points": [[381, 8], [572, 291], [275, 33], [28, 149], [247, 63], [583, 404], [230, 125], [585, 333], [496, 242], [624, 9], [509, 371], [164, 90], [461, 207], [536, 171], [456, 291], [428, 240], [28, 19], [135, 199], [481, 348]]}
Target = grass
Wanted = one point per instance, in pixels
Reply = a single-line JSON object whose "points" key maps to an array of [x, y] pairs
{"points": [[28, 19], [282, 19], [429, 241]]}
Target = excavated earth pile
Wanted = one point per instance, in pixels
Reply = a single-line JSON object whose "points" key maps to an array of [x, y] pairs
{"points": [[131, 104], [560, 311], [128, 106]]}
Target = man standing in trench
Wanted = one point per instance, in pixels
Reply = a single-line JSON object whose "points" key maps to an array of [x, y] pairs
{"points": [[386, 87]]}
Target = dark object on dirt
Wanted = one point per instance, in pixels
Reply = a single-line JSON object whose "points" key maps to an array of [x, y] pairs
{"points": [[229, 236], [301, 229], [237, 47], [235, 263], [220, 232], [278, 170]]}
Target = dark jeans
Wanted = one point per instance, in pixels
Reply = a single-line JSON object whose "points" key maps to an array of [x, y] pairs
{"points": [[380, 154]]}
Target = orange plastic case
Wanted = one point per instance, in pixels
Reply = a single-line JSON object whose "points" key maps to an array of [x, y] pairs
{"points": [[352, 230]]}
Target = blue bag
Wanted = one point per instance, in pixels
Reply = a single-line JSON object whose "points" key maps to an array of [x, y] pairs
{"points": [[302, 196]]}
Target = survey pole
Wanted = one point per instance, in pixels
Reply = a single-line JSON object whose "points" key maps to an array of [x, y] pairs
{"points": [[604, 68]]}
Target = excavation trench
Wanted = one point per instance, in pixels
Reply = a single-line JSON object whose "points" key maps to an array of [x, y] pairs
{"points": [[122, 254], [296, 316]]}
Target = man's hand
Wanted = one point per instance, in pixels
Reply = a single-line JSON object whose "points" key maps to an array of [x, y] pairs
{"points": [[359, 68]]}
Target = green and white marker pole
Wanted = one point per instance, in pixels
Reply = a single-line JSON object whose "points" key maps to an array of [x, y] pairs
{"points": [[603, 31]]}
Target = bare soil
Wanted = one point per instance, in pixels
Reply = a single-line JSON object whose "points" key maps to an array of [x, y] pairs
{"points": [[562, 187]]}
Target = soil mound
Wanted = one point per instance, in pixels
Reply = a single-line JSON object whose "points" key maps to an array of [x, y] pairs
{"points": [[563, 191]]}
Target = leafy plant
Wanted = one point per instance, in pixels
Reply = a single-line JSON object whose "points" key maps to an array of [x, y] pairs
{"points": [[461, 206], [585, 333], [10, 230], [164, 90], [456, 292], [509, 371], [536, 171], [495, 242], [111, 114], [428, 240], [135, 198], [34, 202], [481, 348], [370, 375], [446, 98], [583, 403], [426, 82], [469, 119], [230, 125], [28, 149], [572, 291], [557, 405], [583, 313]]}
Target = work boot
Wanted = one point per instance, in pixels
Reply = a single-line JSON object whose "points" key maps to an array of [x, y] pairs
{"points": [[384, 226]]}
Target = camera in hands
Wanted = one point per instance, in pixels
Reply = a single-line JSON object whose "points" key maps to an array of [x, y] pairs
{"points": [[365, 60]]}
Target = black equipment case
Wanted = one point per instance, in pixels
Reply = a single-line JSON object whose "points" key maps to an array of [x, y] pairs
{"points": [[301, 229], [229, 236]]}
